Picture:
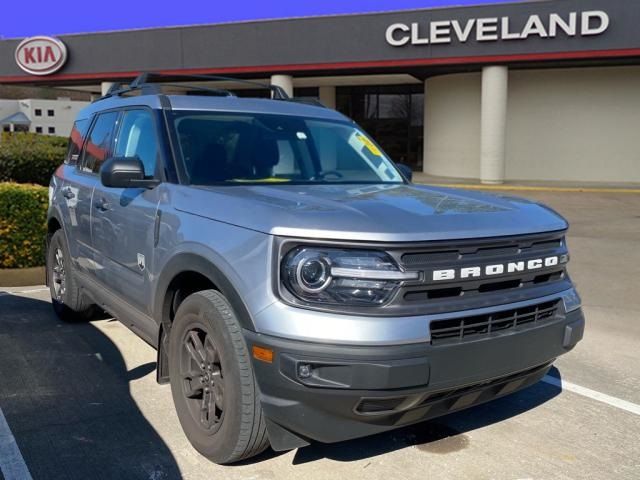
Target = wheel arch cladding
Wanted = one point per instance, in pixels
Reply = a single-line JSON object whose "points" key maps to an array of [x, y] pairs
{"points": [[195, 268], [53, 225]]}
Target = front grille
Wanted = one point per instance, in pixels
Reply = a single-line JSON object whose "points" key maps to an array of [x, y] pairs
{"points": [[477, 254], [479, 289], [480, 251], [470, 328]]}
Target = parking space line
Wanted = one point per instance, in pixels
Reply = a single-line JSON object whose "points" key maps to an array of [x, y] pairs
{"points": [[34, 290], [24, 292], [594, 395], [11, 462]]}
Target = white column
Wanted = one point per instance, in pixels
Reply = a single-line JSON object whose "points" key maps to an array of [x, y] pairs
{"points": [[495, 82], [327, 96], [284, 81], [425, 130], [104, 87]]}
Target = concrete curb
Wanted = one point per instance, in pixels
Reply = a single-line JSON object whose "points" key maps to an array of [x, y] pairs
{"points": [[21, 277]]}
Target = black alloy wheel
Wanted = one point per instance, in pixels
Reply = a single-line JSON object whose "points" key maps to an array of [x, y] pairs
{"points": [[203, 383]]}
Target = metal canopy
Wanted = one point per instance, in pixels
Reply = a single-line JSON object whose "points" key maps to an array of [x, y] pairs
{"points": [[18, 118]]}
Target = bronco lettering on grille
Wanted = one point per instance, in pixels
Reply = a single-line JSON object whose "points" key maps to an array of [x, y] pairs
{"points": [[497, 269]]}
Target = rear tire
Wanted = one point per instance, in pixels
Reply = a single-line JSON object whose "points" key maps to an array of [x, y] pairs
{"points": [[66, 298], [212, 381]]}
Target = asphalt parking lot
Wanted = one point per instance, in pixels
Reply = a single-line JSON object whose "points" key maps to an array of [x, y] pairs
{"points": [[80, 400]]}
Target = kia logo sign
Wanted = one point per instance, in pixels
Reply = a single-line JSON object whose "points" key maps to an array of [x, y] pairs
{"points": [[41, 55]]}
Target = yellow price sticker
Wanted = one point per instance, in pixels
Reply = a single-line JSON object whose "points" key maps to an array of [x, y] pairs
{"points": [[261, 180], [370, 145]]}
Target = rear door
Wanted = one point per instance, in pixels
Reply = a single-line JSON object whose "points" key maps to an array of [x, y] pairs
{"points": [[69, 187], [124, 218], [79, 183]]}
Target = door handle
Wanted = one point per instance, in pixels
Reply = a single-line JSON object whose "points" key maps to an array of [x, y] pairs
{"points": [[68, 193], [103, 205]]}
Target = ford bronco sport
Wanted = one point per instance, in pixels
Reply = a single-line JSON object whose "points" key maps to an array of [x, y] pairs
{"points": [[296, 285]]}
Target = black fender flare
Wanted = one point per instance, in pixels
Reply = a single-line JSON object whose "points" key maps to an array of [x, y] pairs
{"points": [[53, 213], [190, 262]]}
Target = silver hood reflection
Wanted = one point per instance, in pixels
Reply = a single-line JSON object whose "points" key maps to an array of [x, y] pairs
{"points": [[384, 213]]}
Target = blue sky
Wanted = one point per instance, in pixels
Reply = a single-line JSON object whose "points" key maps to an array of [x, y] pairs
{"points": [[55, 17]]}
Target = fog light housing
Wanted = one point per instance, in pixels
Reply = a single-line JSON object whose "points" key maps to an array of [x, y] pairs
{"points": [[304, 370]]}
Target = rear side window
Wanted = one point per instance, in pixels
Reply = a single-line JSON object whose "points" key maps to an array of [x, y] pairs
{"points": [[78, 134], [98, 146]]}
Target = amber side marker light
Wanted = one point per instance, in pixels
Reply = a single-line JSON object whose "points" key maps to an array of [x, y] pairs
{"points": [[263, 354]]}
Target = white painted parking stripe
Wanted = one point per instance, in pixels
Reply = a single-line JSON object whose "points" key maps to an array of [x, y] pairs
{"points": [[24, 292], [34, 290], [594, 395], [11, 461]]}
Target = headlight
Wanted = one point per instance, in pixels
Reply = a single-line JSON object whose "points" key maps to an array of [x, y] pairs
{"points": [[333, 276]]}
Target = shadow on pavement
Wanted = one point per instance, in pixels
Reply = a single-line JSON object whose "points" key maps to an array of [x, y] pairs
{"points": [[440, 436], [64, 389]]}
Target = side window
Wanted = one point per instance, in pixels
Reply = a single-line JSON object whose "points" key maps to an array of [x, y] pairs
{"points": [[137, 138], [76, 139], [98, 144]]}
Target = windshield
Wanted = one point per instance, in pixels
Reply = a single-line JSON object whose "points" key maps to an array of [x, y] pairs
{"points": [[247, 148]]}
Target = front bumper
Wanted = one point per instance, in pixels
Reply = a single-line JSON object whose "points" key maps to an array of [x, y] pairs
{"points": [[353, 391]]}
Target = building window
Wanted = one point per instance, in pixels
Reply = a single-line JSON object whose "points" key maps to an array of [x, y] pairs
{"points": [[50, 113], [38, 129], [38, 112], [392, 114], [51, 130]]}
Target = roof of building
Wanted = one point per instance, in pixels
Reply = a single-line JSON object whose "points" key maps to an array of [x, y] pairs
{"points": [[18, 118]]}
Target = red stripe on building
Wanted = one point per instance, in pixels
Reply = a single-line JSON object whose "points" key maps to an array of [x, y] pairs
{"points": [[425, 62]]}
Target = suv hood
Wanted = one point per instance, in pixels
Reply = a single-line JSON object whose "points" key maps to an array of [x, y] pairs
{"points": [[383, 213]]}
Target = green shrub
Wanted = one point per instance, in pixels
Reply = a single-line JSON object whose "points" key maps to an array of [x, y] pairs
{"points": [[30, 158], [23, 225]]}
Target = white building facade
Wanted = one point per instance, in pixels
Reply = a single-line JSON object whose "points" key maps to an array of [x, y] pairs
{"points": [[47, 117]]}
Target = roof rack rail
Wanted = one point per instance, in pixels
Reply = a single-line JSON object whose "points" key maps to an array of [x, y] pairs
{"points": [[307, 101], [278, 92], [144, 83]]}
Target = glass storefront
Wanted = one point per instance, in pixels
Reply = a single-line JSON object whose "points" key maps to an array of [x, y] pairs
{"points": [[393, 115]]}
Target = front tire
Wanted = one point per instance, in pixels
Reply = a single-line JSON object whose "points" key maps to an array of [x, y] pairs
{"points": [[66, 298], [212, 381]]}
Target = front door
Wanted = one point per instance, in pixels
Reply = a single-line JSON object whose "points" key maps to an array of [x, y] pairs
{"points": [[124, 218]]}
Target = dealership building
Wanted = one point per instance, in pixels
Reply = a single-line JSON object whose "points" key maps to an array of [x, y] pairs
{"points": [[523, 91]]}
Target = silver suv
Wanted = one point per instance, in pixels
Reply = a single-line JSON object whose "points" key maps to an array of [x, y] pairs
{"points": [[296, 285]]}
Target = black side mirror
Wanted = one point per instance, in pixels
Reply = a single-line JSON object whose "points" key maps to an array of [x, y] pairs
{"points": [[125, 172], [405, 170]]}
